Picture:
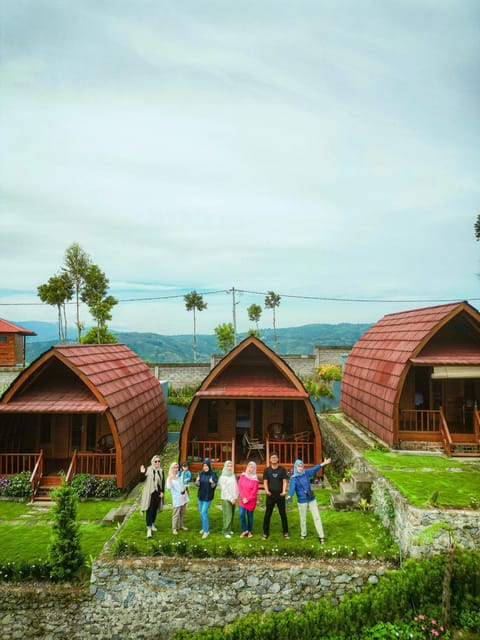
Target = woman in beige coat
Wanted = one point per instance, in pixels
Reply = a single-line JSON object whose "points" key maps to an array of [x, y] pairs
{"points": [[153, 493]]}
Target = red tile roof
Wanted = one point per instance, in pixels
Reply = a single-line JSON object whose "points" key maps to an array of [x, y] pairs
{"points": [[377, 365], [255, 382], [9, 327]]}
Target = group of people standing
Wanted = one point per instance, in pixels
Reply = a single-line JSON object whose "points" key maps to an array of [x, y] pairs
{"points": [[244, 492]]}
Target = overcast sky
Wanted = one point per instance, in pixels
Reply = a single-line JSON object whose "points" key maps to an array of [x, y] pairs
{"points": [[327, 150]]}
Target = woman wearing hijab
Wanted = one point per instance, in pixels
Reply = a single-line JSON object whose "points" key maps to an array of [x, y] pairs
{"points": [[153, 493], [247, 501], [179, 498], [206, 483], [229, 495], [300, 484]]}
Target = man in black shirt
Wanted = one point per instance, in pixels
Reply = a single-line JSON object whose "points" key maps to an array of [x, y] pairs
{"points": [[275, 483]]}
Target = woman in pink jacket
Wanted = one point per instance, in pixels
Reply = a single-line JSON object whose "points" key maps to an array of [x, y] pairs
{"points": [[247, 499]]}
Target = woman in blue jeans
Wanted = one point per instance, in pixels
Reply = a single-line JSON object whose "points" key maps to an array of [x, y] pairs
{"points": [[206, 483]]}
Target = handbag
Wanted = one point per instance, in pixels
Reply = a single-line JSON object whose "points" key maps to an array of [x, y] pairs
{"points": [[309, 494]]}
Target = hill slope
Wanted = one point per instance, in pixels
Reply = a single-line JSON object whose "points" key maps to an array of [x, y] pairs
{"points": [[155, 347]]}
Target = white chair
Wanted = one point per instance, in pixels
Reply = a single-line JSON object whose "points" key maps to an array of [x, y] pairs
{"points": [[253, 444]]}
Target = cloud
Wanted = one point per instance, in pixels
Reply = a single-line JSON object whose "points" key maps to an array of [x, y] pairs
{"points": [[316, 149]]}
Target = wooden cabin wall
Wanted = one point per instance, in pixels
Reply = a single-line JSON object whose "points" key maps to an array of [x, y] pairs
{"points": [[7, 350]]}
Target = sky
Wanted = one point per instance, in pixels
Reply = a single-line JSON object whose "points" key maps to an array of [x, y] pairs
{"points": [[325, 150]]}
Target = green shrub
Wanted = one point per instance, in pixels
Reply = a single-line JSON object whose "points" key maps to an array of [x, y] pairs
{"points": [[64, 552], [14, 571], [87, 486], [17, 486]]}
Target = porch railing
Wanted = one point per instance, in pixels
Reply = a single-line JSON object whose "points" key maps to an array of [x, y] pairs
{"points": [[95, 464], [427, 423], [37, 474], [289, 451], [420, 420], [445, 433], [72, 467], [476, 425], [216, 450], [13, 463]]}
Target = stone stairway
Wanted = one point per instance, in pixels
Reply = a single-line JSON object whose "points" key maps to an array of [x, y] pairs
{"points": [[358, 486]]}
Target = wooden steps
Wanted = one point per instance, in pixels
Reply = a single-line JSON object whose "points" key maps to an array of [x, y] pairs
{"points": [[45, 488]]}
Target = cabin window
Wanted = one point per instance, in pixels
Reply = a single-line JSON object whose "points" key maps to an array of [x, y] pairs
{"points": [[76, 432], [46, 428], [213, 417], [91, 432], [3, 339], [243, 414]]}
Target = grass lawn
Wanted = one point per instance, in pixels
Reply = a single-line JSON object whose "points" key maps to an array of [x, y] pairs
{"points": [[25, 530], [455, 483], [347, 534]]}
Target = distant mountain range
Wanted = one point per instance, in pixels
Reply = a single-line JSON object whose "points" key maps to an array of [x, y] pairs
{"points": [[154, 347]]}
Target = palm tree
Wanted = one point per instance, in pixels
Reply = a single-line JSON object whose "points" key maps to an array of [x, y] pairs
{"points": [[272, 300], [194, 302]]}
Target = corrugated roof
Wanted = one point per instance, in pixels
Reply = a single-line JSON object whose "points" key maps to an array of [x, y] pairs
{"points": [[9, 327], [377, 365]]}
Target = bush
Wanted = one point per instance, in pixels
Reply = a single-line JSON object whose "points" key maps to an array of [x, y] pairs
{"points": [[87, 486], [64, 552], [16, 486]]}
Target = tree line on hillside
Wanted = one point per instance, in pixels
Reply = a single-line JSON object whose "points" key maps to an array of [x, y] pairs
{"points": [[153, 347]]}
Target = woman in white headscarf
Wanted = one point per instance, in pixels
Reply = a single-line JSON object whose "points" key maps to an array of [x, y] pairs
{"points": [[179, 498], [300, 484], [229, 495], [153, 493]]}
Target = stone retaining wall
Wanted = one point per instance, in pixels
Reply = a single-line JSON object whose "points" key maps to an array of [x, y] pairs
{"points": [[153, 597]]}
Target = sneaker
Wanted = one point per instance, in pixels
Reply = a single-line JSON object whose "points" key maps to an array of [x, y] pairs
{"points": [[264, 537], [154, 528], [322, 540], [285, 535], [201, 532], [184, 528], [232, 532], [302, 537], [175, 532], [205, 534], [227, 535], [149, 533]]}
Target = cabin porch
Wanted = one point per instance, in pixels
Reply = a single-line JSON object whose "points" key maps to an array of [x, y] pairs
{"points": [[429, 429]]}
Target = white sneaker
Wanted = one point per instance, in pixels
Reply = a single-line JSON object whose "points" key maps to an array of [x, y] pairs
{"points": [[201, 531], [205, 535], [154, 528], [149, 533], [227, 535]]}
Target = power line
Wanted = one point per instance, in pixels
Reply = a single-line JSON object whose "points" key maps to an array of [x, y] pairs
{"points": [[264, 293]]}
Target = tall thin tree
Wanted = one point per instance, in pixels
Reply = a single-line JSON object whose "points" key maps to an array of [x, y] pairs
{"points": [[94, 294], [77, 262], [254, 314], [57, 292], [272, 301], [194, 302]]}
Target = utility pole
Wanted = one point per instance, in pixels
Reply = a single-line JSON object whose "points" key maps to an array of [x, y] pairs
{"points": [[234, 313]]}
